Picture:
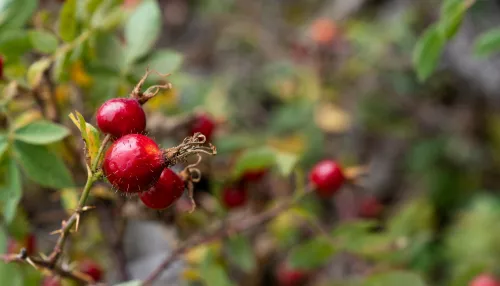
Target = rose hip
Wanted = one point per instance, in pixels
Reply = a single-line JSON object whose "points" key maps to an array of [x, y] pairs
{"points": [[233, 197], [92, 269], [288, 276], [205, 125], [133, 163], [165, 192], [327, 178], [121, 116]]}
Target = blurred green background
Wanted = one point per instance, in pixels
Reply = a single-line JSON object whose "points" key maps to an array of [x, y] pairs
{"points": [[406, 91]]}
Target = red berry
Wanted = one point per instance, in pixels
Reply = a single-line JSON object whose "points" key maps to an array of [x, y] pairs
{"points": [[121, 116], [233, 197], [92, 269], [370, 207], [133, 163], [203, 124], [327, 178], [166, 191], [291, 277], [51, 281], [254, 175], [29, 244], [484, 280]]}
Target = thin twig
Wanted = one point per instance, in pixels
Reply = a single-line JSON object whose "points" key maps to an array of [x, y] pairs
{"points": [[225, 230]]}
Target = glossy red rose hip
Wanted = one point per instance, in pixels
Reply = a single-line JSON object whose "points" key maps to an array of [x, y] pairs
{"points": [[165, 192], [233, 197], [484, 280], [327, 178], [287, 276], [121, 116], [92, 269], [133, 163], [205, 125]]}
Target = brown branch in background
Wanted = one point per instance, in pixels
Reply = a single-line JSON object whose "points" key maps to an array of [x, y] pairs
{"points": [[36, 262], [225, 230]]}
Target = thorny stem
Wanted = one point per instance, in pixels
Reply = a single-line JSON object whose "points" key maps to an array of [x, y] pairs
{"points": [[222, 232]]}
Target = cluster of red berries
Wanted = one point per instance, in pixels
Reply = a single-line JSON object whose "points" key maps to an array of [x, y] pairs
{"points": [[134, 163]]}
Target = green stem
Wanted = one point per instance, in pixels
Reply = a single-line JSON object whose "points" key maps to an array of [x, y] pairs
{"points": [[100, 153]]}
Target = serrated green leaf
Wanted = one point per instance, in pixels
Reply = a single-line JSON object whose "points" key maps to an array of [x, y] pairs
{"points": [[394, 278], [240, 252], [142, 29], [89, 133], [43, 41], [163, 61], [42, 166], [11, 191], [254, 159], [14, 43], [16, 13], [427, 52], [286, 162], [109, 52], [488, 43], [36, 70], [312, 254], [130, 283], [4, 144], [41, 133], [67, 21]]}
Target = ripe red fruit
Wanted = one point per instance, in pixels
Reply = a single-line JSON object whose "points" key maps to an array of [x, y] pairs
{"points": [[165, 192], [327, 178], [51, 281], [203, 124], [233, 197], [291, 277], [484, 279], [121, 116], [254, 175], [370, 207], [92, 269], [133, 163]]}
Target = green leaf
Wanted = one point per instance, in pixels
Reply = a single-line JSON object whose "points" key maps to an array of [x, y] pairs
{"points": [[488, 43], [109, 52], [130, 283], [212, 273], [286, 162], [142, 29], [240, 252], [10, 192], [60, 67], [394, 278], [42, 166], [43, 41], [312, 254], [254, 159], [67, 21], [3, 239], [36, 70], [16, 13], [113, 19], [4, 144], [163, 61], [14, 43], [427, 52], [89, 133], [41, 132]]}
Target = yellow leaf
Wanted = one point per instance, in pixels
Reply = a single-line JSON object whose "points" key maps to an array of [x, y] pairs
{"points": [[330, 118], [294, 144], [26, 118], [355, 171], [62, 93], [69, 199], [196, 254], [79, 75], [165, 99], [191, 274]]}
